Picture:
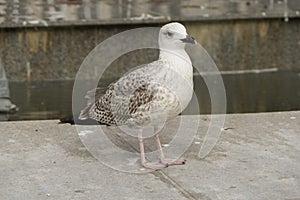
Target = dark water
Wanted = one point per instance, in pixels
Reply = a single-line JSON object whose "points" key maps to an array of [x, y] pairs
{"points": [[252, 92], [41, 100]]}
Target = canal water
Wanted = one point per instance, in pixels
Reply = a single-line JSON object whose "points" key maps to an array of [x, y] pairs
{"points": [[246, 93]]}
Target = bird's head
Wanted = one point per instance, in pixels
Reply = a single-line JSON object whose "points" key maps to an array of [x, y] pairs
{"points": [[173, 36]]}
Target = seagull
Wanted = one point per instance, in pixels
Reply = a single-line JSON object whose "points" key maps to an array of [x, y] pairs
{"points": [[149, 95]]}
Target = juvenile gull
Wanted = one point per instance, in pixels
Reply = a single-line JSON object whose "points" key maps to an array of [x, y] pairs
{"points": [[149, 95]]}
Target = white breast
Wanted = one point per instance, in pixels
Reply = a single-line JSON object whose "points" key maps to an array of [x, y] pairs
{"points": [[180, 77]]}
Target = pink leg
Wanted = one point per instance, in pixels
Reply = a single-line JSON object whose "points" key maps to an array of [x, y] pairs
{"points": [[146, 164], [162, 156]]}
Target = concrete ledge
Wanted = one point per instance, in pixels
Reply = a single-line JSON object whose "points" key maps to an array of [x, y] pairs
{"points": [[256, 157]]}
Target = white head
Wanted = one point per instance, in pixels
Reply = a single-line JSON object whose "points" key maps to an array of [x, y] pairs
{"points": [[173, 36]]}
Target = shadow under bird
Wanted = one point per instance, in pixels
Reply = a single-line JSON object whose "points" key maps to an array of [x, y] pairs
{"points": [[149, 95]]}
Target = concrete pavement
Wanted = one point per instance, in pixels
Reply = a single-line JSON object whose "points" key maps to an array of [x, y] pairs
{"points": [[256, 157]]}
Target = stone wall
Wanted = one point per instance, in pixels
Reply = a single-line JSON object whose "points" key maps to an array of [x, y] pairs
{"points": [[56, 52]]}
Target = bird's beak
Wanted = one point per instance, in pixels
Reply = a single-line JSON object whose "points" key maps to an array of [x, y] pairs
{"points": [[189, 39]]}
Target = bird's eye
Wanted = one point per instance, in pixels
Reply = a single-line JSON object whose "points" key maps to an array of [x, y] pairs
{"points": [[169, 34]]}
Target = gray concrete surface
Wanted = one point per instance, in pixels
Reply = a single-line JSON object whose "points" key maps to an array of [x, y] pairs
{"points": [[256, 157]]}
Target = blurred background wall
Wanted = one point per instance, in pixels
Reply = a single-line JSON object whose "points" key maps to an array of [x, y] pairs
{"points": [[48, 39]]}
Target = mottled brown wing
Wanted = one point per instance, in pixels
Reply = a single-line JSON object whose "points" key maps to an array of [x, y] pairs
{"points": [[109, 108], [123, 98]]}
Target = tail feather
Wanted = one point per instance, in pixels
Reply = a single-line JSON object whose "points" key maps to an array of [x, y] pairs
{"points": [[73, 119], [91, 96], [83, 117], [67, 120]]}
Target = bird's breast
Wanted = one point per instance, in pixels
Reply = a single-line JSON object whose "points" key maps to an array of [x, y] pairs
{"points": [[179, 81]]}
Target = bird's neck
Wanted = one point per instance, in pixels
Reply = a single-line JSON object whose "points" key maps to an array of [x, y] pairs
{"points": [[179, 56], [178, 61]]}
